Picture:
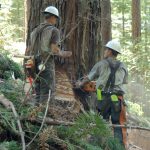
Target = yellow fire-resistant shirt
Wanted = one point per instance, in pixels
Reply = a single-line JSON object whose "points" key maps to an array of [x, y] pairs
{"points": [[101, 72]]}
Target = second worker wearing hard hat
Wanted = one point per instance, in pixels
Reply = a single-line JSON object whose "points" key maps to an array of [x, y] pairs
{"points": [[110, 75]]}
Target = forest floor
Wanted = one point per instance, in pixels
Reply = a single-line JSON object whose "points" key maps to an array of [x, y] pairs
{"points": [[138, 140]]}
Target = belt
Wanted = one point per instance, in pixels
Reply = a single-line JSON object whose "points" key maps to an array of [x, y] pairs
{"points": [[119, 93]]}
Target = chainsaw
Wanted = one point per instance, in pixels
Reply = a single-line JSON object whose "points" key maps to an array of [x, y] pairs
{"points": [[29, 60], [90, 86], [29, 63]]}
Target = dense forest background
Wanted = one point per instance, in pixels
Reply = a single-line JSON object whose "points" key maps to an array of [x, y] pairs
{"points": [[136, 54]]}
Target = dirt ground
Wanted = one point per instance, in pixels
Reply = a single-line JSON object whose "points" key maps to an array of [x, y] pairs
{"points": [[138, 140]]}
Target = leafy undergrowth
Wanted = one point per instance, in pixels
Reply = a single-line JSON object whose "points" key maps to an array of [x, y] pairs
{"points": [[9, 68]]}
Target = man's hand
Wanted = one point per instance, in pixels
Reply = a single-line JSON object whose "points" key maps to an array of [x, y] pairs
{"points": [[65, 54], [80, 84], [55, 49]]}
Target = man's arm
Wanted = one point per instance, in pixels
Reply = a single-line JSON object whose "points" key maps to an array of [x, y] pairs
{"points": [[56, 51], [93, 73], [55, 39], [80, 84]]}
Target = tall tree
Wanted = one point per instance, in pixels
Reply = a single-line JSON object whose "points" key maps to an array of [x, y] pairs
{"points": [[105, 22], [17, 18], [136, 20]]}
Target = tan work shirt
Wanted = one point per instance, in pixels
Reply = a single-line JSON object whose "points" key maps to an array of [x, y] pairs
{"points": [[101, 72], [50, 35]]}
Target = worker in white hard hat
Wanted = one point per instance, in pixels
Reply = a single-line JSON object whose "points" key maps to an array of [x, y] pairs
{"points": [[44, 42], [110, 75]]}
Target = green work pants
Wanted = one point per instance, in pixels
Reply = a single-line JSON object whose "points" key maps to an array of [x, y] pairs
{"points": [[45, 82]]}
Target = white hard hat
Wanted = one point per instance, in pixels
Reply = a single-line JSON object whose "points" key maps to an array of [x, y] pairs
{"points": [[52, 10], [114, 45]]}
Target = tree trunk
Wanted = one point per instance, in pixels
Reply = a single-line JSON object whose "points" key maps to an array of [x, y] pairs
{"points": [[105, 23], [85, 26], [136, 20], [123, 19], [146, 25]]}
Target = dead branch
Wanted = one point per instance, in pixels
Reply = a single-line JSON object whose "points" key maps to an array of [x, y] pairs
{"points": [[130, 127], [19, 126], [70, 32], [5, 102], [9, 105], [43, 121], [131, 146], [49, 121]]}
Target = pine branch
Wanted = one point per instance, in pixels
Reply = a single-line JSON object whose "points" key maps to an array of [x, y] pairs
{"points": [[9, 105]]}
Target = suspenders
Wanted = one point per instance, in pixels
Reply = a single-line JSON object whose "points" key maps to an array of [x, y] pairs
{"points": [[111, 79]]}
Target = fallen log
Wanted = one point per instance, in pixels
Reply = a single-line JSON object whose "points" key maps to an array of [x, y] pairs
{"points": [[48, 121], [51, 121]]}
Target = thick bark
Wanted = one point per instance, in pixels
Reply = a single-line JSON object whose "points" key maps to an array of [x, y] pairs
{"points": [[105, 22]]}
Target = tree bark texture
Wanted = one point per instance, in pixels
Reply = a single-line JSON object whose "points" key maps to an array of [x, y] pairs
{"points": [[105, 23], [85, 25], [136, 20]]}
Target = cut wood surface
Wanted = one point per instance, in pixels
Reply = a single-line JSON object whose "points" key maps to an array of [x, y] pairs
{"points": [[64, 90]]}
